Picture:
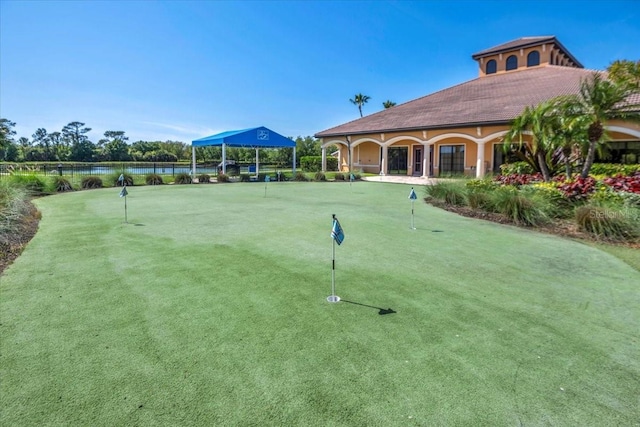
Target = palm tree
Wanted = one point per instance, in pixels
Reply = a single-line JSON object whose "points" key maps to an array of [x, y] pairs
{"points": [[388, 104], [598, 102], [625, 72], [537, 122], [568, 131], [359, 100]]}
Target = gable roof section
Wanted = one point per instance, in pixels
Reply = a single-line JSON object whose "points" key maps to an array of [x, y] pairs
{"points": [[525, 42], [493, 99], [252, 137]]}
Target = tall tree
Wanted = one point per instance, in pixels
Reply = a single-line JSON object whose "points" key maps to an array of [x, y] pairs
{"points": [[58, 146], [359, 100], [82, 150], [568, 133], [624, 71], [537, 123], [115, 147], [307, 146], [598, 102], [24, 145], [42, 141], [388, 104], [6, 137]]}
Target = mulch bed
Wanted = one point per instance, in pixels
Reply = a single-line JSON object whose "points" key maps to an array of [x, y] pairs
{"points": [[11, 246], [559, 227]]}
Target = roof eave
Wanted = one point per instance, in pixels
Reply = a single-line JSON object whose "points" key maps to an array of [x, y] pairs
{"points": [[411, 129]]}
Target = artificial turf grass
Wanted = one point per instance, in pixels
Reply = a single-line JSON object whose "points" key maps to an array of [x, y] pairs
{"points": [[212, 310]]}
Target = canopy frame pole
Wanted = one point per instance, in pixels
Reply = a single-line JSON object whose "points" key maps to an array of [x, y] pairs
{"points": [[294, 162], [257, 162], [193, 159], [224, 158]]}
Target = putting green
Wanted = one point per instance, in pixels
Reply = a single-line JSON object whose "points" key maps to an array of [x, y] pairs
{"points": [[209, 308]]}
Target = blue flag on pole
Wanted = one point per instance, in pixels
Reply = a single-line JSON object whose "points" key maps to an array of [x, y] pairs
{"points": [[336, 232], [123, 192], [413, 195]]}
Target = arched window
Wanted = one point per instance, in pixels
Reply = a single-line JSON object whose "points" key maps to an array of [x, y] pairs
{"points": [[512, 63], [492, 67], [533, 58]]}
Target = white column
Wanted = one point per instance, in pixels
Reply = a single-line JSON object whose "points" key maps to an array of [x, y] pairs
{"points": [[383, 162], [480, 162], [425, 160], [324, 159]]}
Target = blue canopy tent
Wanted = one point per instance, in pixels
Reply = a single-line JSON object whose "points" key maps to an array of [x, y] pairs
{"points": [[259, 137]]}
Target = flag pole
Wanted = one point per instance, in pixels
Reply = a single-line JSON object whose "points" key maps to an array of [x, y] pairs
{"points": [[123, 193], [412, 197], [333, 297], [125, 204], [413, 226]]}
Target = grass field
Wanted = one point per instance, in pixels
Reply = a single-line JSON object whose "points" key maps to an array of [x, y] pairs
{"points": [[209, 308]]}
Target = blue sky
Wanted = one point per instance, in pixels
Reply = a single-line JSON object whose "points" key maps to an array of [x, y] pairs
{"points": [[181, 70]]}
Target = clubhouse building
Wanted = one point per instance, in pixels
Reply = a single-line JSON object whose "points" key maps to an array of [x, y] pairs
{"points": [[459, 130]]}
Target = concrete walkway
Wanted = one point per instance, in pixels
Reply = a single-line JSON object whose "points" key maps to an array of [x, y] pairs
{"points": [[401, 179]]}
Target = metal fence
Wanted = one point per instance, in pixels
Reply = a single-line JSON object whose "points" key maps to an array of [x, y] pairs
{"points": [[132, 168]]}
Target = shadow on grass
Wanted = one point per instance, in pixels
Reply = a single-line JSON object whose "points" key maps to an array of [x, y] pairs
{"points": [[382, 311]]}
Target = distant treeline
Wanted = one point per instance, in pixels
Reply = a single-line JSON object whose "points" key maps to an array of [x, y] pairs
{"points": [[71, 143]]}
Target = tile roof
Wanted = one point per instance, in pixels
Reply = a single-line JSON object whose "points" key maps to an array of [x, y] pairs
{"points": [[515, 44], [524, 42], [494, 99]]}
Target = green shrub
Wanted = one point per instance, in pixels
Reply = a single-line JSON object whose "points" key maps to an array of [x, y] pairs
{"points": [[114, 179], [204, 178], [311, 163], [556, 203], [339, 176], [613, 169], [486, 184], [90, 182], [630, 200], [319, 176], [314, 163], [244, 177], [516, 168], [222, 177], [32, 183], [61, 184], [332, 164], [452, 193], [479, 199], [478, 193], [183, 178], [301, 177], [153, 179], [522, 207], [608, 221]]}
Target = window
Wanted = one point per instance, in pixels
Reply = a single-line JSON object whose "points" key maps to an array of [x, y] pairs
{"points": [[451, 159], [625, 152], [512, 63], [492, 67], [398, 160], [533, 59]]}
